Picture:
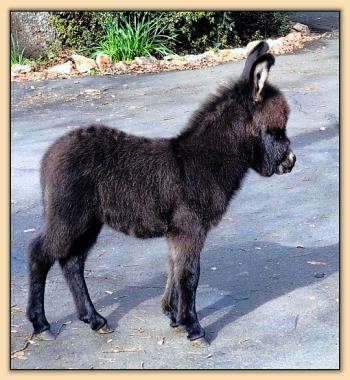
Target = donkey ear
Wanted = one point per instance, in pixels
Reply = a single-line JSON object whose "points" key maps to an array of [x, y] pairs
{"points": [[260, 49], [259, 74]]}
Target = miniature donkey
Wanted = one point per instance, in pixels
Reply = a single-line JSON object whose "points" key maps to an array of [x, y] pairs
{"points": [[175, 187]]}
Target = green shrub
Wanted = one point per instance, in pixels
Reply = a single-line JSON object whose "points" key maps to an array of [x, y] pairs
{"points": [[78, 30], [17, 55], [194, 31], [128, 37]]}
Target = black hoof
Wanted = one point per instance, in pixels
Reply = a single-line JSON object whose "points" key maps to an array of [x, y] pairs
{"points": [[174, 324], [201, 342], [105, 329], [45, 335], [179, 328]]}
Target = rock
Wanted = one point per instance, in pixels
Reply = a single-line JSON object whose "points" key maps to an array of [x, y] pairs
{"points": [[178, 62], [171, 57], [301, 28], [225, 53], [192, 57], [17, 69], [281, 41], [274, 43], [144, 60], [208, 53], [251, 45], [121, 66], [64, 68], [238, 52], [103, 61], [293, 36], [83, 64]]}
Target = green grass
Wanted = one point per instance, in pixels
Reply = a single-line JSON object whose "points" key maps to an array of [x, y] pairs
{"points": [[125, 39], [17, 55]]}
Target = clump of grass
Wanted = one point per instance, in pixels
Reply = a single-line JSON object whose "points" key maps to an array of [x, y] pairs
{"points": [[125, 39], [17, 55]]}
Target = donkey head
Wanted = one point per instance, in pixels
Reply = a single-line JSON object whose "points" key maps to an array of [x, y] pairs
{"points": [[269, 115]]}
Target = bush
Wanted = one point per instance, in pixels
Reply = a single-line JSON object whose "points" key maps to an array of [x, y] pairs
{"points": [[78, 30], [126, 38], [194, 31], [17, 55]]}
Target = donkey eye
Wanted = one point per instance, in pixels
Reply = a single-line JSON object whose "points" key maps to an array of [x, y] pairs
{"points": [[278, 134]]}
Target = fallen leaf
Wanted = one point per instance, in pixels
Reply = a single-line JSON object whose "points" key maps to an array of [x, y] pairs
{"points": [[90, 91], [244, 341], [316, 263], [118, 349], [161, 342], [15, 308], [19, 354]]}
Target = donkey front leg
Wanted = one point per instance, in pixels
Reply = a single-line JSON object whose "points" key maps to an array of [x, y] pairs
{"points": [[185, 254]]}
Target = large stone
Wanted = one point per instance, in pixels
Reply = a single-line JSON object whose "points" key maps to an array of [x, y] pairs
{"points": [[274, 43], [83, 64], [17, 69], [144, 60], [171, 57], [121, 67], [64, 68], [294, 36], [33, 32], [193, 57], [238, 52], [103, 61], [301, 28]]}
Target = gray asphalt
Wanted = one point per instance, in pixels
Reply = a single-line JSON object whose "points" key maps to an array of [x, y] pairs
{"points": [[268, 292], [317, 21]]}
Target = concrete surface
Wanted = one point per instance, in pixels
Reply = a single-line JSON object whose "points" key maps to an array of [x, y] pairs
{"points": [[264, 301]]}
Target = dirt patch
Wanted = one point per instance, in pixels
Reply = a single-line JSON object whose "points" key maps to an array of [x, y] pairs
{"points": [[285, 45]]}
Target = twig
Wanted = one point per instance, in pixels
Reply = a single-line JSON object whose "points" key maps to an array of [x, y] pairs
{"points": [[25, 345]]}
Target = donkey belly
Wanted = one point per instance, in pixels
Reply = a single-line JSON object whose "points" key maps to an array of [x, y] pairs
{"points": [[144, 224]]}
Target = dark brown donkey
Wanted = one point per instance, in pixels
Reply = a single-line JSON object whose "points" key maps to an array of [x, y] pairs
{"points": [[178, 188]]}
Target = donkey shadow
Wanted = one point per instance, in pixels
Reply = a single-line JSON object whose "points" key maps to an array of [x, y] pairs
{"points": [[289, 264]]}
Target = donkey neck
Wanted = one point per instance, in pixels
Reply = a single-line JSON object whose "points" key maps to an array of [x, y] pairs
{"points": [[220, 151]]}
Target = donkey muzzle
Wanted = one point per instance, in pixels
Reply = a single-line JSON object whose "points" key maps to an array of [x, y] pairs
{"points": [[287, 164]]}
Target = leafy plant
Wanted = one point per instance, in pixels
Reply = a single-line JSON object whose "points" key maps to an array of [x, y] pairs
{"points": [[125, 39], [183, 32], [17, 55]]}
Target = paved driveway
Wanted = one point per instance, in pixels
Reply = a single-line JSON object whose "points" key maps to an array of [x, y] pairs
{"points": [[268, 293]]}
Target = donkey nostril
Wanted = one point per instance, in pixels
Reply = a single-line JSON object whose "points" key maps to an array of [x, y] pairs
{"points": [[291, 157]]}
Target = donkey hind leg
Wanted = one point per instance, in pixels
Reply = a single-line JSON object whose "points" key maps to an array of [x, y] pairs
{"points": [[170, 297], [73, 269], [186, 270], [39, 264]]}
